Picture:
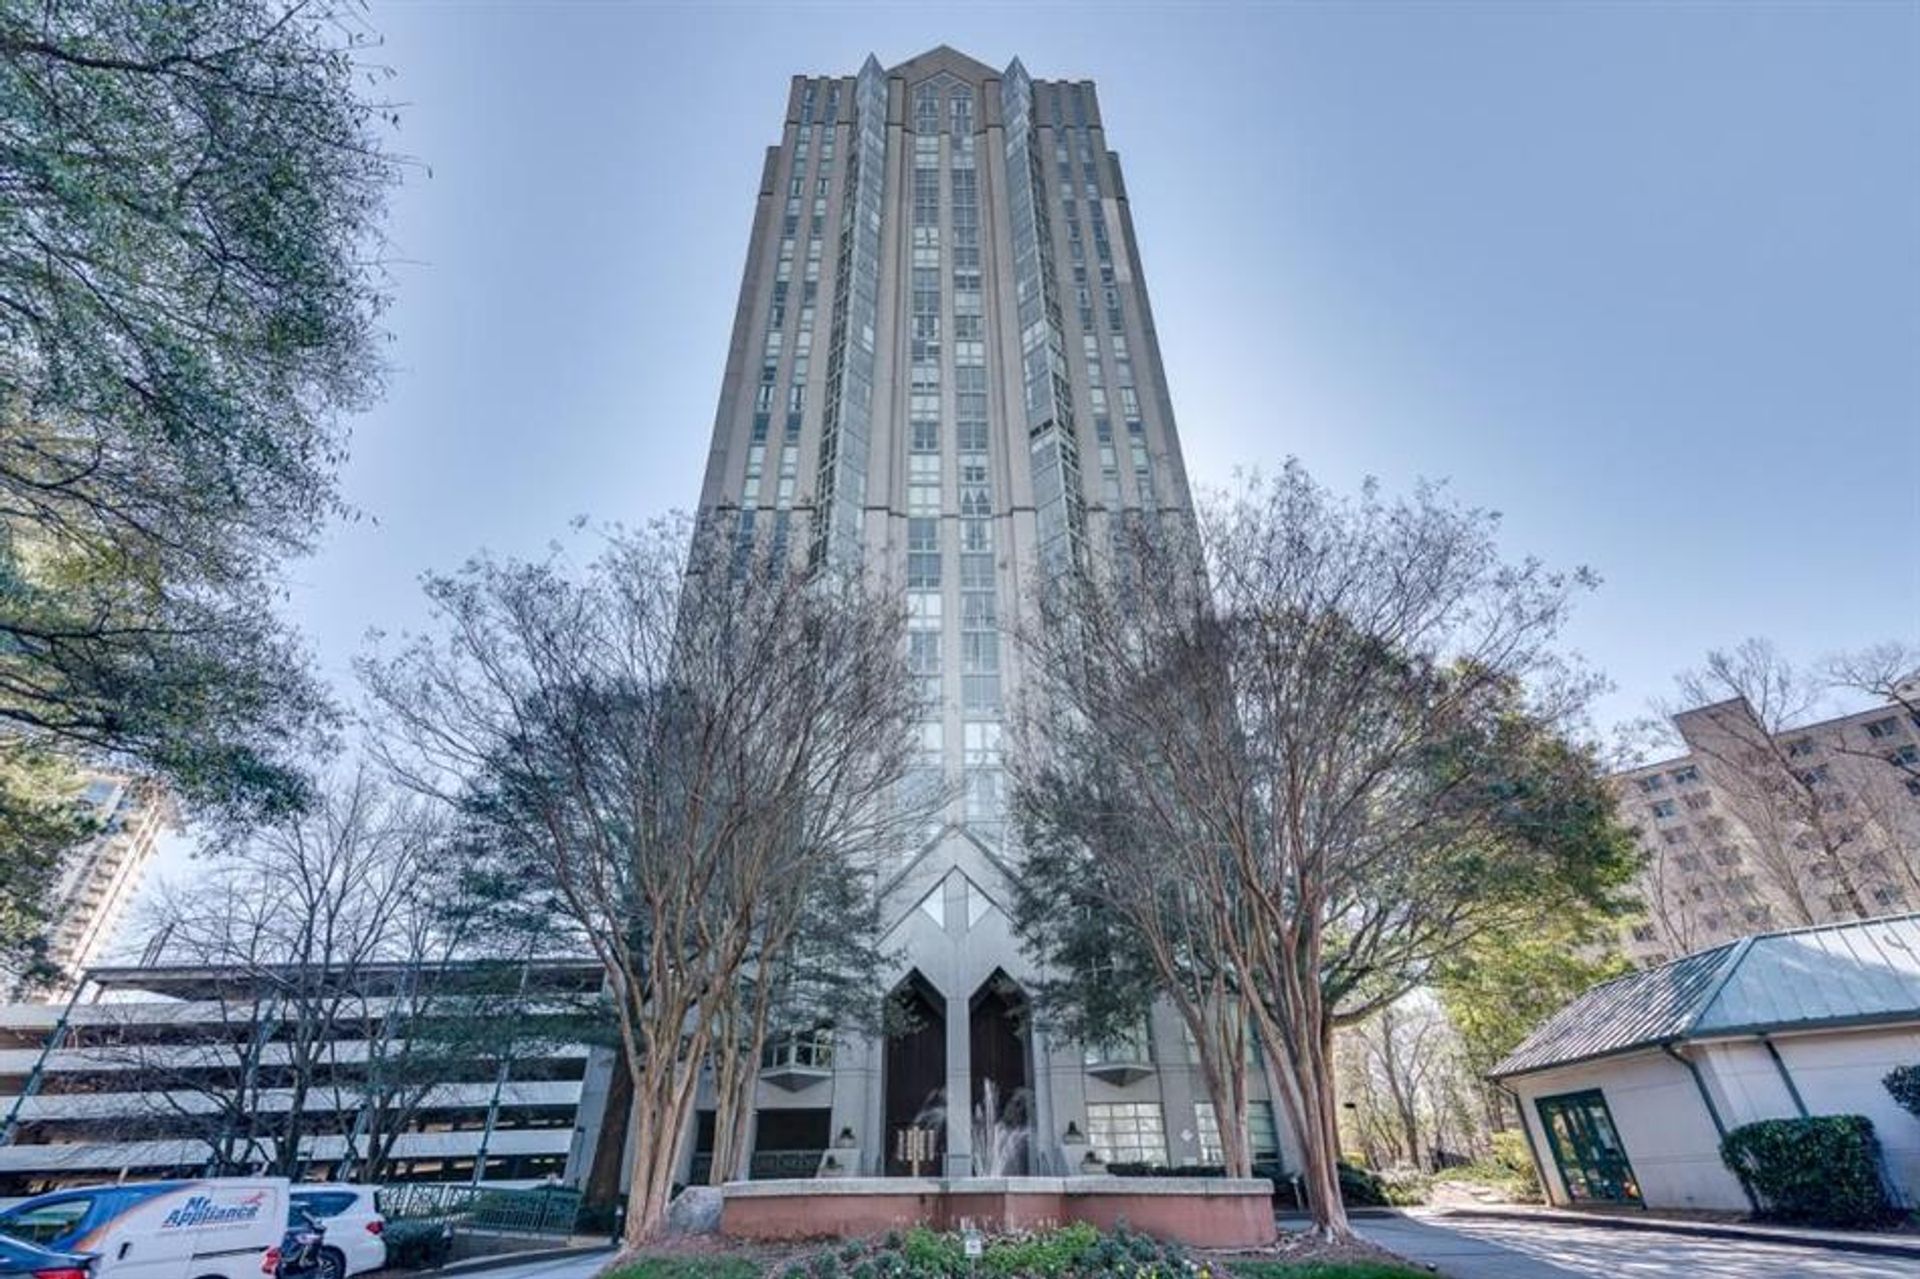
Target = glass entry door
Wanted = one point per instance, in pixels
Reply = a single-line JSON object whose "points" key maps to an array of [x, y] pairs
{"points": [[1592, 1161]]}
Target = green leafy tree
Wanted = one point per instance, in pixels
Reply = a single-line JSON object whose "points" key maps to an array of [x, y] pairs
{"points": [[189, 288], [1502, 984], [41, 816]]}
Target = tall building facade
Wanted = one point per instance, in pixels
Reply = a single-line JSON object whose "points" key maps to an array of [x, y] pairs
{"points": [[944, 373], [99, 879], [1760, 827]]}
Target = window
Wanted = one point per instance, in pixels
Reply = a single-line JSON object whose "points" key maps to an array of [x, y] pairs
{"points": [[1263, 1139], [1128, 1132], [1643, 932], [1685, 775], [324, 1203], [1724, 856], [1904, 756], [1135, 1045], [1887, 726], [1665, 808], [1697, 801], [1648, 785], [1799, 746], [802, 1050], [47, 1222], [1888, 896]]}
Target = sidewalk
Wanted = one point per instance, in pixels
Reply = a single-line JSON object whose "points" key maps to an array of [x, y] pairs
{"points": [[1875, 1242]]}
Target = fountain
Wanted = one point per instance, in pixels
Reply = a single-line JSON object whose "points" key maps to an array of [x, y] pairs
{"points": [[999, 1146]]}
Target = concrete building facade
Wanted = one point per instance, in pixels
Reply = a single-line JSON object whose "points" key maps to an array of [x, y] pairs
{"points": [[1755, 828], [186, 1070], [944, 373]]}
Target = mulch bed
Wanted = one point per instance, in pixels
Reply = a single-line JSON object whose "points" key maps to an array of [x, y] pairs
{"points": [[1300, 1246]]}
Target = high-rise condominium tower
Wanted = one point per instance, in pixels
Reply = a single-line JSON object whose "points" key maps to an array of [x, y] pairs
{"points": [[944, 372]]}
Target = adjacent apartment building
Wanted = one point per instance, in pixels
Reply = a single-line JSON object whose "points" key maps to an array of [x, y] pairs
{"points": [[944, 373], [1755, 830], [99, 879]]}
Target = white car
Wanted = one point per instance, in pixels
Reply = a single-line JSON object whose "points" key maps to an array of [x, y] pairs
{"points": [[353, 1224]]}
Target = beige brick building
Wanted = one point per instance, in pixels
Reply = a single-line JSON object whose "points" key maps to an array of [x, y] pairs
{"points": [[1752, 830]]}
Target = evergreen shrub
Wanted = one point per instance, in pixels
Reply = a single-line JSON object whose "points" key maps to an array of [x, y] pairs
{"points": [[1822, 1171]]}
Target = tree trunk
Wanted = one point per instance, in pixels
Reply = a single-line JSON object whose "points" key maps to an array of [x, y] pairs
{"points": [[663, 1101], [1323, 1156], [1303, 1045]]}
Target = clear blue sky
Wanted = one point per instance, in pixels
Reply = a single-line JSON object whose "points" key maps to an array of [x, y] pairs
{"points": [[1644, 277]]}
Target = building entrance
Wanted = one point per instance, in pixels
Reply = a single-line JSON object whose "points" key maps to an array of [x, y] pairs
{"points": [[1592, 1161], [916, 1075]]}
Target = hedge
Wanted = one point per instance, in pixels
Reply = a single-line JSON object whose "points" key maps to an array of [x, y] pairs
{"points": [[417, 1245], [1358, 1187], [1822, 1171]]}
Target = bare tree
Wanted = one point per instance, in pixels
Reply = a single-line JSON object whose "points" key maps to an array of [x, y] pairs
{"points": [[1405, 1066], [1348, 734], [1890, 673], [328, 942], [1824, 821], [670, 748]]}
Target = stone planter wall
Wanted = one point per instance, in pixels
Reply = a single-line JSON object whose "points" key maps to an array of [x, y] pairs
{"points": [[1203, 1212]]}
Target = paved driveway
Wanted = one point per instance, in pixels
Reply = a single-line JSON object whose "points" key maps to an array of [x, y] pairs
{"points": [[1466, 1248]]}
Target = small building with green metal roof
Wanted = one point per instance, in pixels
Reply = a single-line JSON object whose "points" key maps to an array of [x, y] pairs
{"points": [[1627, 1090]]}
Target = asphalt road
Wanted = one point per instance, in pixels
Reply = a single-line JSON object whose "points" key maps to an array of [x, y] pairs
{"points": [[566, 1268], [1465, 1248]]}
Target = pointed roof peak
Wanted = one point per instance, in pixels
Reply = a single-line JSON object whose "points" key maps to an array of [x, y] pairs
{"points": [[944, 57]]}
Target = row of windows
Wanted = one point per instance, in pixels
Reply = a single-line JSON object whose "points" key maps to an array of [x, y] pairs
{"points": [[1136, 1132]]}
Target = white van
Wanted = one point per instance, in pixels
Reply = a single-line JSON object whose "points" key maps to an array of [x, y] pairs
{"points": [[219, 1228]]}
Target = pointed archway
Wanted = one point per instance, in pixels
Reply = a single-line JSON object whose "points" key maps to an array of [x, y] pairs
{"points": [[998, 1030], [916, 1071]]}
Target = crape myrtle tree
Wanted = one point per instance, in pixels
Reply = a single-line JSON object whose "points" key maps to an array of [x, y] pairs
{"points": [[677, 748], [811, 971], [1342, 728], [190, 197]]}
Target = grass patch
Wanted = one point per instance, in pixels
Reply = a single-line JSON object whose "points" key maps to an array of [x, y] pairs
{"points": [[1324, 1270], [689, 1268]]}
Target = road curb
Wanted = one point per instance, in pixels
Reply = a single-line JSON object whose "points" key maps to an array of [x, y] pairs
{"points": [[529, 1257], [1698, 1229]]}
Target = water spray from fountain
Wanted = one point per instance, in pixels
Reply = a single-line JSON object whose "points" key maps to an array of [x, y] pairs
{"points": [[999, 1141]]}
